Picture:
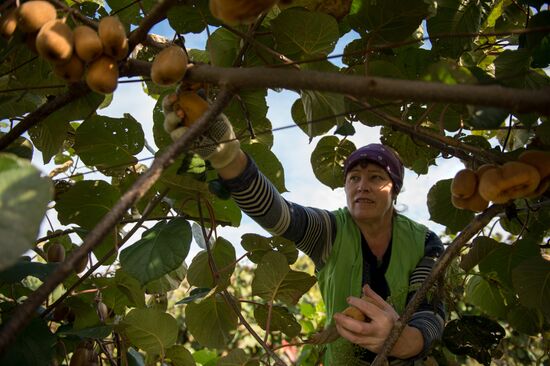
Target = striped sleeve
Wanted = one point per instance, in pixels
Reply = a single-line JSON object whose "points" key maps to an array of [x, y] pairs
{"points": [[430, 315], [310, 228]]}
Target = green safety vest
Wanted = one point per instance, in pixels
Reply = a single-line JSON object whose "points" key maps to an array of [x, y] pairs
{"points": [[342, 274]]}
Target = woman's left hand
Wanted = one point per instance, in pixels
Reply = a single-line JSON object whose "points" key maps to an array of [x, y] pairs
{"points": [[370, 335]]}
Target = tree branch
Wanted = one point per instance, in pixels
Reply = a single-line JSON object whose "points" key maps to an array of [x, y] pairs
{"points": [[156, 15], [450, 253], [23, 314], [75, 92], [514, 100]]}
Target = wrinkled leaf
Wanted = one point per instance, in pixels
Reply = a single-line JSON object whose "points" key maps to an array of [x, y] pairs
{"points": [[327, 160]]}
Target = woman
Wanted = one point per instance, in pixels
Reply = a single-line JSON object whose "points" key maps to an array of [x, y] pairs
{"points": [[366, 248]]}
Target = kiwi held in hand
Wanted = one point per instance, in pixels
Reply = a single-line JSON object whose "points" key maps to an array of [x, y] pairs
{"points": [[192, 105], [113, 36], [169, 66], [239, 11], [56, 253], [54, 42], [8, 23], [464, 183], [72, 71], [102, 75], [87, 43], [32, 15]]}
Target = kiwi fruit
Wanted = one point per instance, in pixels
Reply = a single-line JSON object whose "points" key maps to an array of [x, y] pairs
{"points": [[56, 253], [113, 37], [72, 71], [192, 105], [8, 23], [87, 43], [32, 15], [169, 66], [464, 183], [512, 180], [475, 203], [102, 75], [81, 264], [54, 42], [239, 11]]}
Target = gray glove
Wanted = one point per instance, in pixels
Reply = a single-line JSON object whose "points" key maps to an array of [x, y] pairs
{"points": [[218, 144]]}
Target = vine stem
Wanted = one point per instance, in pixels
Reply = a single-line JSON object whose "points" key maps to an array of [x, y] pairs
{"points": [[514, 100], [478, 223], [26, 311]]}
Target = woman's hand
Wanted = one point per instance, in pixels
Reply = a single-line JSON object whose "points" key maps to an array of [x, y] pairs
{"points": [[370, 335]]}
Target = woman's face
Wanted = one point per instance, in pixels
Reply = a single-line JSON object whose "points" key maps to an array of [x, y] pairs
{"points": [[369, 192]]}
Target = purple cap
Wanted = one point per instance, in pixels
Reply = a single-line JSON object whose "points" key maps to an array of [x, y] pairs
{"points": [[381, 155]]}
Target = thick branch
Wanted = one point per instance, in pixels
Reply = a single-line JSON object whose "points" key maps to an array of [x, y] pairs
{"points": [[514, 100], [156, 15], [75, 92], [439, 269], [27, 310]]}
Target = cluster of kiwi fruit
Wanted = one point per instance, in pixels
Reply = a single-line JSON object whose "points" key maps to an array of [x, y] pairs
{"points": [[526, 177], [71, 51]]}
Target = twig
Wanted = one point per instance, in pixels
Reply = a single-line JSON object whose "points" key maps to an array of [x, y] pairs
{"points": [[23, 314], [478, 223], [514, 100]]}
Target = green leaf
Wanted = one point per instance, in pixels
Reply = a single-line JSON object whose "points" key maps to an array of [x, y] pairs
{"points": [[298, 32], [237, 357], [24, 196], [513, 69], [195, 294], [441, 210], [387, 21], [134, 358], [107, 142], [488, 118], [268, 163], [211, 322], [454, 16], [258, 246], [327, 160], [415, 155], [169, 282], [33, 347], [474, 336], [205, 356], [485, 295], [99, 332], [274, 280], [223, 47], [130, 287], [151, 330], [200, 273], [531, 280], [180, 356], [21, 147], [106, 246], [23, 268], [482, 246], [161, 250], [86, 202], [48, 136], [281, 320], [525, 320], [127, 13], [189, 18]]}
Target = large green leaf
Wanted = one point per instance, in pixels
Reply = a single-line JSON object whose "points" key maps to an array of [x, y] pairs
{"points": [[49, 134], [200, 272], [211, 322], [127, 13], [223, 47], [531, 280], [168, 282], [525, 320], [274, 280], [388, 21], [161, 250], [21, 147], [485, 295], [298, 32], [416, 156], [24, 268], [107, 142], [268, 163], [327, 160], [512, 68], [190, 18], [482, 246], [24, 196], [86, 203], [237, 357], [150, 330], [130, 287], [455, 16], [281, 320], [33, 347], [180, 356], [441, 210], [258, 246]]}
